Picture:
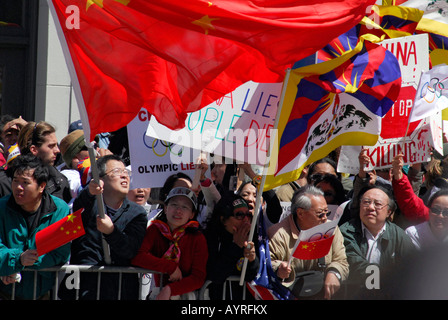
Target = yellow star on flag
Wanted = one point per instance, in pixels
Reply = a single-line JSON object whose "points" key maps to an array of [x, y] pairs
{"points": [[100, 4], [205, 23]]}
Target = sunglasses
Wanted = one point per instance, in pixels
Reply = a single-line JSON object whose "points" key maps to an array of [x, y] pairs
{"points": [[315, 177], [322, 214], [438, 211], [241, 215]]}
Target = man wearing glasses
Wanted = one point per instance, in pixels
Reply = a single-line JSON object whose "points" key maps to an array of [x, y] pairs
{"points": [[308, 209], [123, 228], [371, 239]]}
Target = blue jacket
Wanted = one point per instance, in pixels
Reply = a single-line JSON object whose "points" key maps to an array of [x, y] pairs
{"points": [[15, 239]]}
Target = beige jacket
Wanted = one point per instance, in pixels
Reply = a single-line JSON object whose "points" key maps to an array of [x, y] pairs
{"points": [[283, 237]]}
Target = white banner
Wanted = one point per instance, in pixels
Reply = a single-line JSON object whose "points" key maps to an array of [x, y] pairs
{"points": [[153, 160], [237, 126]]}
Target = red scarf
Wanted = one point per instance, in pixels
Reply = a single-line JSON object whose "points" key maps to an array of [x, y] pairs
{"points": [[173, 252]]}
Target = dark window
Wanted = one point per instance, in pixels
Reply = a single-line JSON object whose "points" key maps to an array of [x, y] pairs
{"points": [[18, 42]]}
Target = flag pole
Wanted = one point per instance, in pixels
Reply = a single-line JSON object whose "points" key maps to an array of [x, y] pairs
{"points": [[412, 110], [405, 134], [84, 118], [263, 178], [293, 250], [99, 198]]}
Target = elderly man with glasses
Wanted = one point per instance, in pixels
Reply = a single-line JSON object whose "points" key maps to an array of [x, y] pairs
{"points": [[308, 209], [374, 244]]}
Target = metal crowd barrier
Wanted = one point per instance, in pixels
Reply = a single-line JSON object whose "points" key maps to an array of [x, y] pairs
{"points": [[86, 268], [203, 294]]}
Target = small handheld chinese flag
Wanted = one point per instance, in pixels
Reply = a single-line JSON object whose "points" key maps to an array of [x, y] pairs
{"points": [[60, 233], [313, 250], [315, 243]]}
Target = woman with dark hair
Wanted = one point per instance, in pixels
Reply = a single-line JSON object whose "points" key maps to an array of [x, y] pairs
{"points": [[332, 187], [271, 205], [178, 179], [434, 231], [174, 245], [334, 194], [227, 233]]}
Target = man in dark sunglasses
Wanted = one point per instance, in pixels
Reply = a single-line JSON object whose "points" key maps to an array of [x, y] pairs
{"points": [[308, 209]]}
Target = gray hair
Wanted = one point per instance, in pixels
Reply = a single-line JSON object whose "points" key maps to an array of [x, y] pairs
{"points": [[302, 197]]}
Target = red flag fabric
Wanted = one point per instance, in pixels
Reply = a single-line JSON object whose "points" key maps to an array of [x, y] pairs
{"points": [[313, 250], [174, 57], [260, 292], [60, 233]]}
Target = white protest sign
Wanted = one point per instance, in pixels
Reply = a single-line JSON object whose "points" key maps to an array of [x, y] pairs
{"points": [[237, 126], [154, 160], [413, 57], [319, 232]]}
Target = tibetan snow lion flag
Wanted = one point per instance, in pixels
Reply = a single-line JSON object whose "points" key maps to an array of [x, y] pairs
{"points": [[175, 57], [330, 104], [391, 21]]}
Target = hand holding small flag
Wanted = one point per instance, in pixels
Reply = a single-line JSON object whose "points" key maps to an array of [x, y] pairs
{"points": [[60, 233]]}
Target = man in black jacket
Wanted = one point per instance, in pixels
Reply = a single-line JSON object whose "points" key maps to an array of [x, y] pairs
{"points": [[123, 228]]}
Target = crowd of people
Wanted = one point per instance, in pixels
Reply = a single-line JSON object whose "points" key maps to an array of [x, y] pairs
{"points": [[196, 237]]}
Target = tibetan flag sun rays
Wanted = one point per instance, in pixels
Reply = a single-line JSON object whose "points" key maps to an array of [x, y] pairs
{"points": [[434, 22], [333, 103], [174, 57]]}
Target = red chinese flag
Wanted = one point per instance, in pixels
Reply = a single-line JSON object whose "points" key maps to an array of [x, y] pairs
{"points": [[174, 57], [60, 233], [313, 250]]}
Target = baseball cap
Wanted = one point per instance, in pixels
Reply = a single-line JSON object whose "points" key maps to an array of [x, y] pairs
{"points": [[182, 191], [239, 203], [75, 125]]}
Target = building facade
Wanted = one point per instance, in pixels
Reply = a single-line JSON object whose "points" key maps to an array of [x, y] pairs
{"points": [[34, 79]]}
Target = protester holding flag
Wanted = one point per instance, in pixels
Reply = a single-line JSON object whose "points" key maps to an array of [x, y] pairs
{"points": [[249, 190], [371, 239], [308, 209], [227, 232], [29, 209], [122, 227]]}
